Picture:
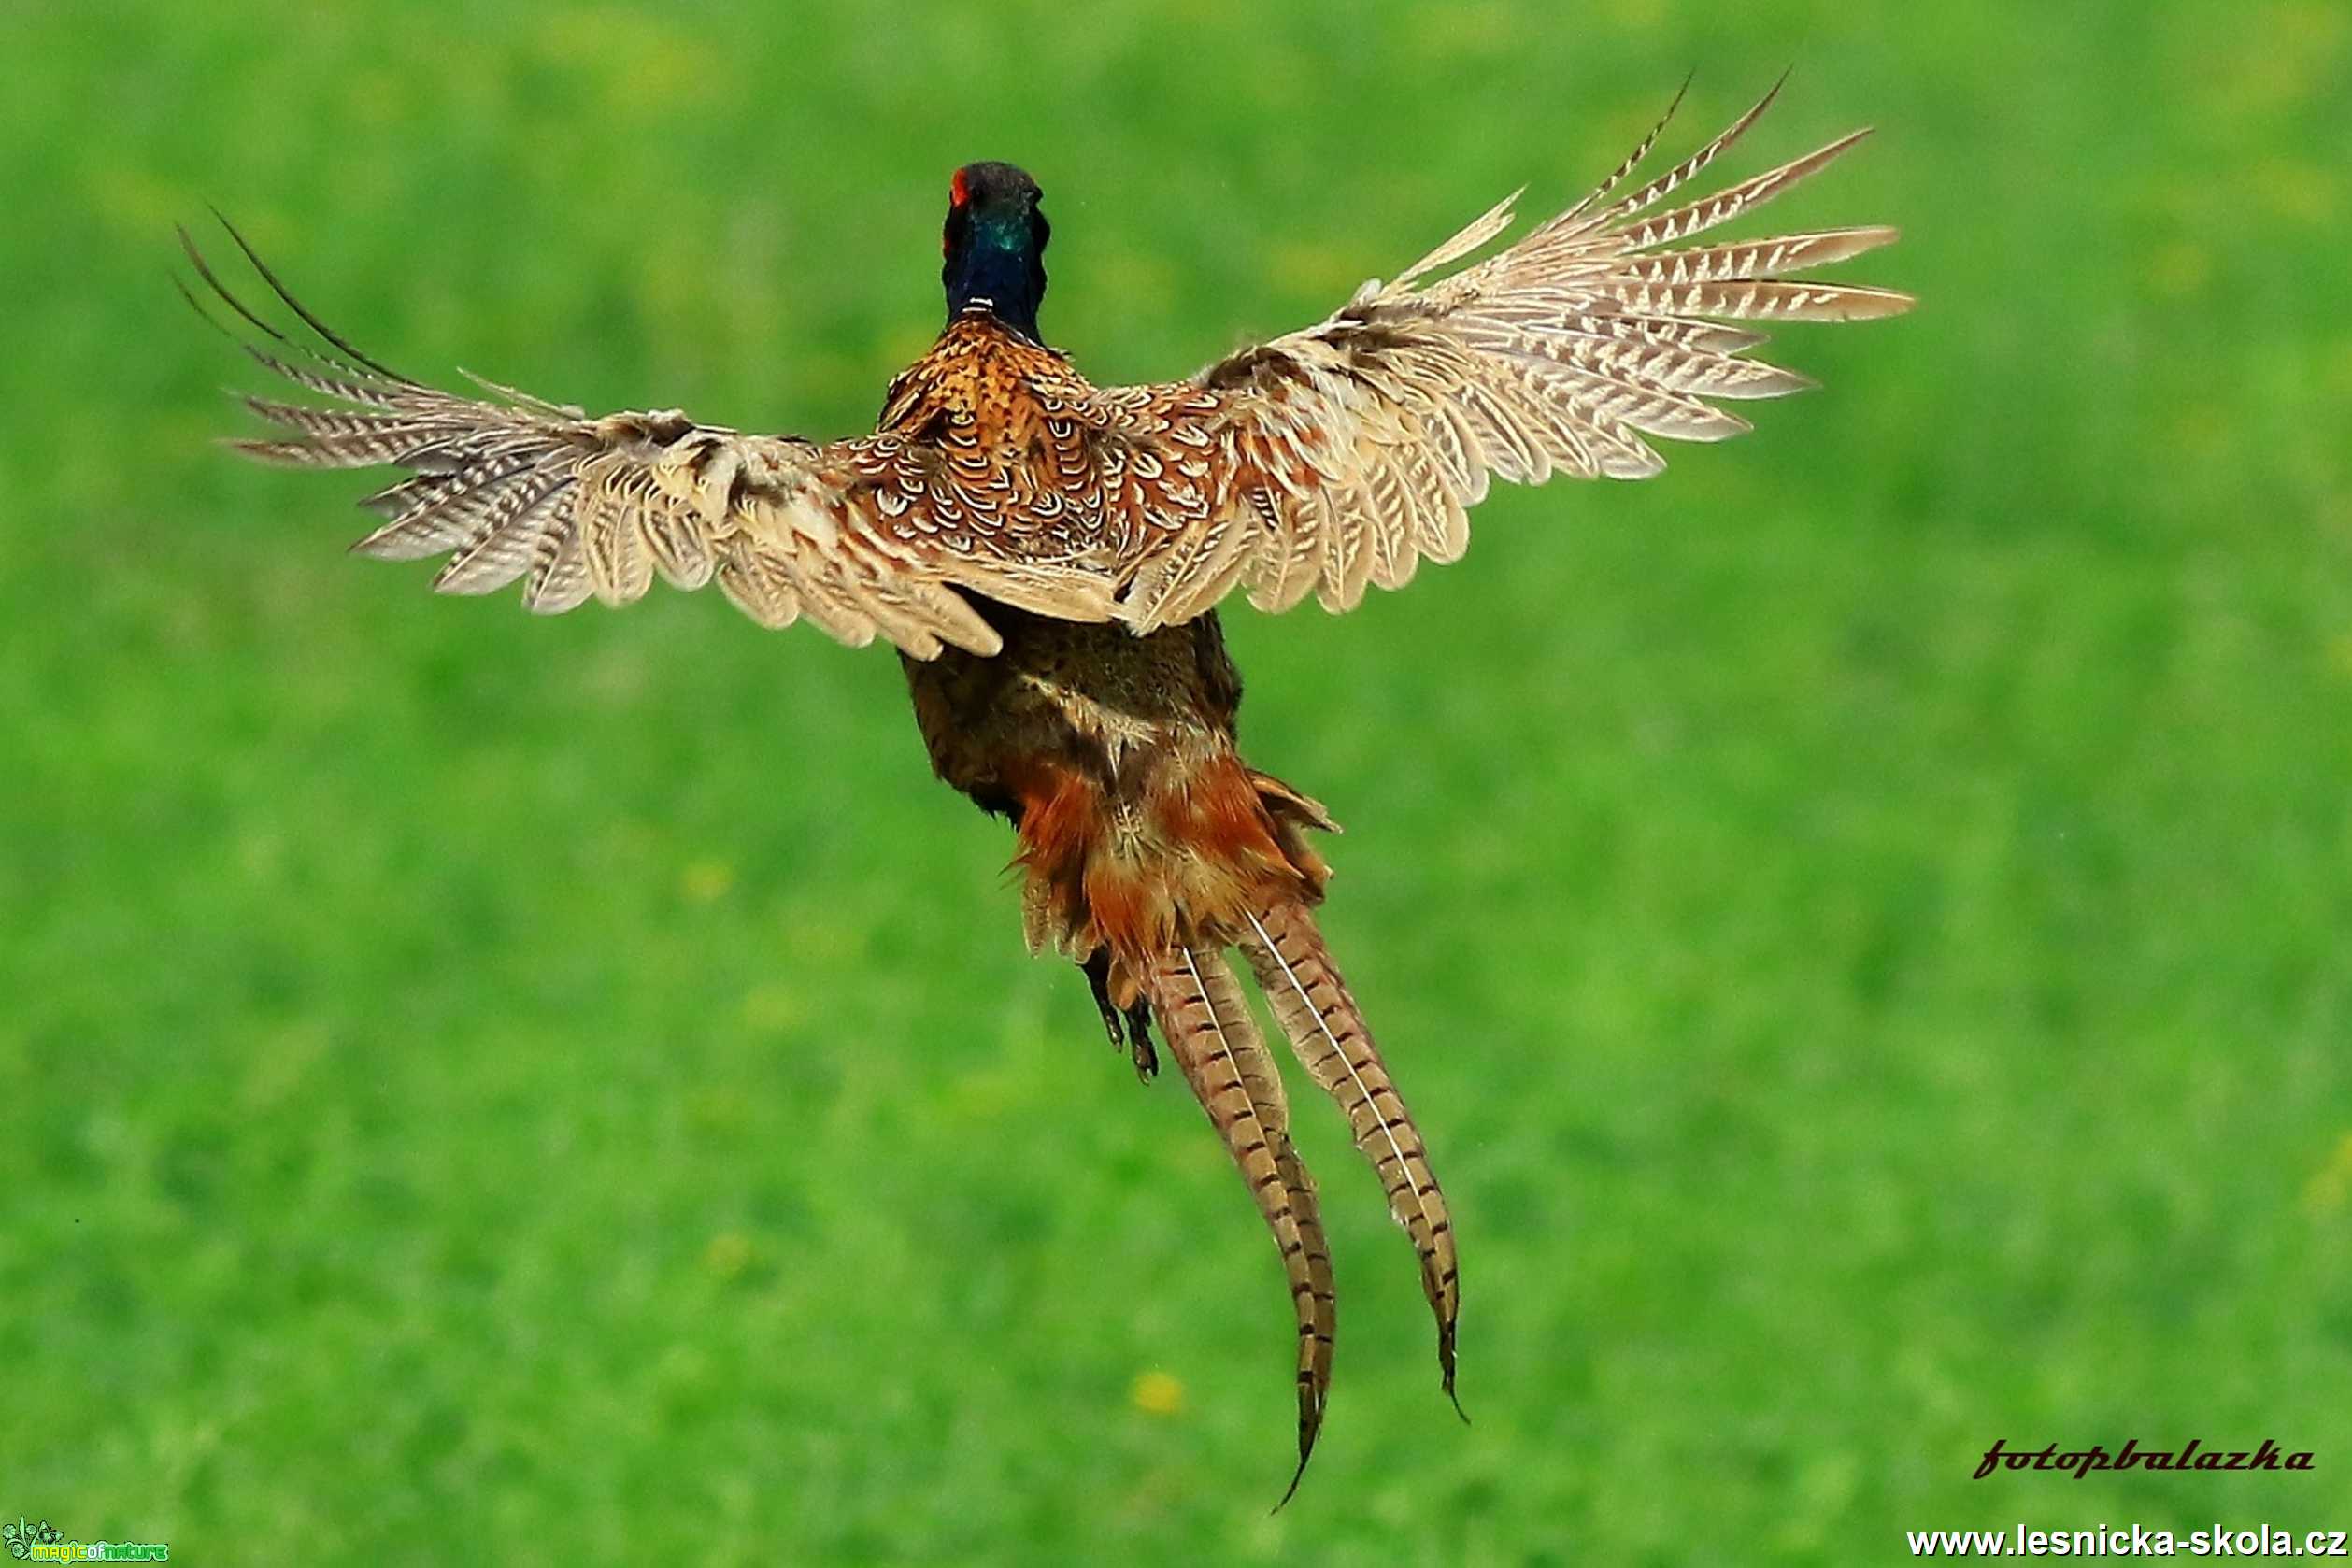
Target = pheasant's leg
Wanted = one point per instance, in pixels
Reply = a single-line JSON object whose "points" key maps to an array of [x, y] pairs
{"points": [[1130, 1028], [1097, 969]]}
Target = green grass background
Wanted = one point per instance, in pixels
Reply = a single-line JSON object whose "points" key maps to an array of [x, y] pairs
{"points": [[1865, 918]]}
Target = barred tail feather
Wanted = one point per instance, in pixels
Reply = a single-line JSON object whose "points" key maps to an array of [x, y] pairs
{"points": [[1262, 1081], [1328, 1032], [1199, 1007]]}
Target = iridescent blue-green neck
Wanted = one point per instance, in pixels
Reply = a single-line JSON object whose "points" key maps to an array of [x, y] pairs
{"points": [[999, 270], [996, 243]]}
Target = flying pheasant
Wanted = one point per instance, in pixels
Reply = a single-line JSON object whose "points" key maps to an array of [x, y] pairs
{"points": [[1047, 557]]}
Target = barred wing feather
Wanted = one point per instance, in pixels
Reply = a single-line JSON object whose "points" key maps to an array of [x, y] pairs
{"points": [[511, 487], [1348, 452]]}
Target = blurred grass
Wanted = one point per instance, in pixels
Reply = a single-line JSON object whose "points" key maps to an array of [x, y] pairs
{"points": [[1864, 919]]}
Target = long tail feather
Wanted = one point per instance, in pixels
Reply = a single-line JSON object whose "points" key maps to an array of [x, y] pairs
{"points": [[1216, 1045], [1328, 1032], [1262, 1081]]}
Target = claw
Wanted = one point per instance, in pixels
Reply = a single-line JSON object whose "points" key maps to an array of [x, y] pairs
{"points": [[1139, 1042], [1097, 969]]}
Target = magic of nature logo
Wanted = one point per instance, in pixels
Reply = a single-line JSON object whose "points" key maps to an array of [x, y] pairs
{"points": [[45, 1542]]}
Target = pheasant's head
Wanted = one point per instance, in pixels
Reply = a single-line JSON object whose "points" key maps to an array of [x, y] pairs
{"points": [[995, 244]]}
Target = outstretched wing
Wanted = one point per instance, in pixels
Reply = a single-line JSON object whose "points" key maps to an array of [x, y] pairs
{"points": [[1342, 454], [510, 487]]}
